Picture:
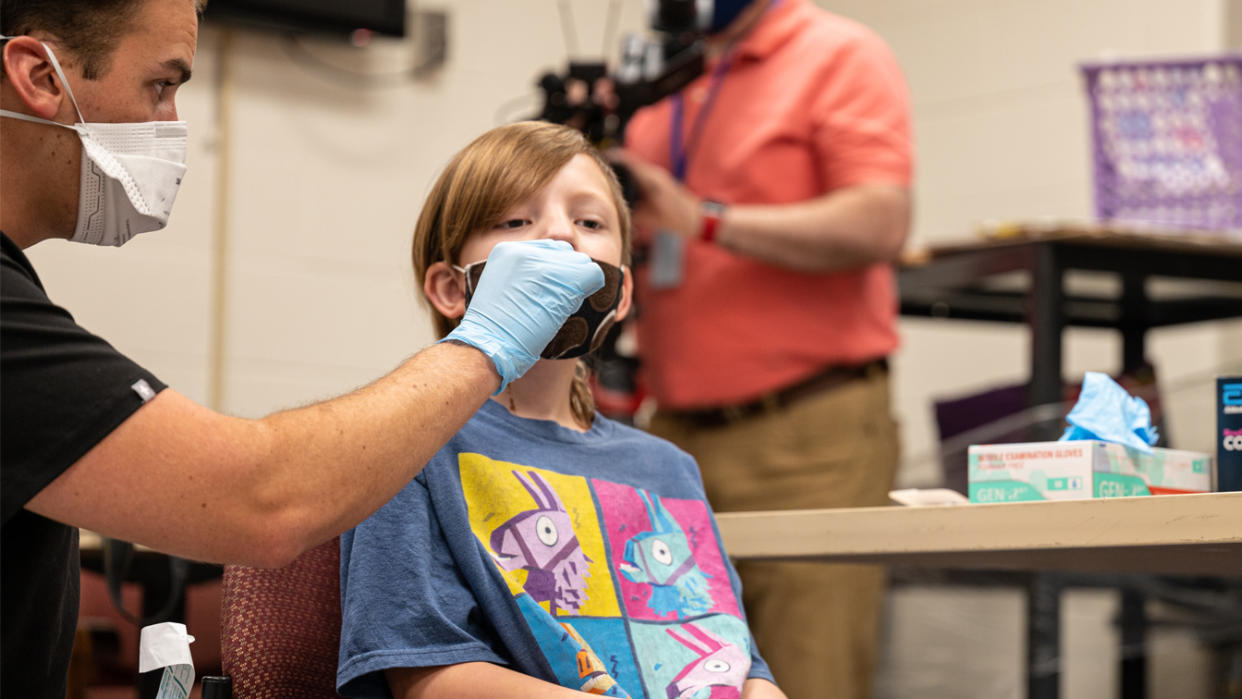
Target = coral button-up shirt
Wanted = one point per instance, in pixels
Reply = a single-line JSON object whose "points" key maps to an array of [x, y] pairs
{"points": [[809, 103]]}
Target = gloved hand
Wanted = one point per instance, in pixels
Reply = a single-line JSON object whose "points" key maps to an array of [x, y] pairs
{"points": [[527, 291]]}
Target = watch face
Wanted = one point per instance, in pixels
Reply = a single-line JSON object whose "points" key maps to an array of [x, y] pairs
{"points": [[712, 207]]}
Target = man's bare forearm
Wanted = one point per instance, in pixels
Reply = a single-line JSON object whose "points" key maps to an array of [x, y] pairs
{"points": [[340, 460], [184, 479], [847, 229]]}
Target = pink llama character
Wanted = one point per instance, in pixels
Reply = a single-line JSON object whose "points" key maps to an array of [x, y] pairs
{"points": [[720, 664]]}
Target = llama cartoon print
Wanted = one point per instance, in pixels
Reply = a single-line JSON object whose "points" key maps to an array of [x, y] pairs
{"points": [[720, 664], [542, 542], [592, 673], [662, 558]]}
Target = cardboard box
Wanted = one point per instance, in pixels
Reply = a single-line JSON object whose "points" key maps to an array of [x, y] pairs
{"points": [[1082, 469]]}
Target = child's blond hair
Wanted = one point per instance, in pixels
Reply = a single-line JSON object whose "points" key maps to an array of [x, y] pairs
{"points": [[497, 171]]}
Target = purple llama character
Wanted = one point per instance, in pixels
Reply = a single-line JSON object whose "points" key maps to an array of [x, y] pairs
{"points": [[720, 664], [542, 542]]}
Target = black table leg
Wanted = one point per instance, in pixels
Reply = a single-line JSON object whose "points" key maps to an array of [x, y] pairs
{"points": [[1133, 618], [1043, 634], [1133, 321], [1133, 644], [1046, 319]]}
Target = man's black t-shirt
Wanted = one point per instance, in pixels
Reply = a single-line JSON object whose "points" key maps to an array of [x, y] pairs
{"points": [[62, 390]]}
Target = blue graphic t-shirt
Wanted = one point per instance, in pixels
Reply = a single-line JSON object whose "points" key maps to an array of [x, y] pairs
{"points": [[590, 560]]}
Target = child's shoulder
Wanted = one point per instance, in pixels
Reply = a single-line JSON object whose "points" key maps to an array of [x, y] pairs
{"points": [[494, 431], [636, 438]]}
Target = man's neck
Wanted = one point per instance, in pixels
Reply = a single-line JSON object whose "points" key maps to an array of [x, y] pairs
{"points": [[15, 220], [719, 42], [23, 233], [35, 205], [15, 234]]}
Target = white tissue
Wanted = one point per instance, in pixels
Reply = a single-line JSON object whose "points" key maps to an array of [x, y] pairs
{"points": [[167, 646], [927, 497]]}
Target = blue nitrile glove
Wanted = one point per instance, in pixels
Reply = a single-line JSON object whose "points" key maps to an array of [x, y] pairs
{"points": [[1105, 411], [527, 291]]}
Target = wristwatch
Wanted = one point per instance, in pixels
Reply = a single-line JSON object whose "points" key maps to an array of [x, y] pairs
{"points": [[712, 211]]}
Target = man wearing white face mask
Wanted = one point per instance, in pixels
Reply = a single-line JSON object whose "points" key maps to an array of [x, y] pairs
{"points": [[130, 172], [91, 150]]}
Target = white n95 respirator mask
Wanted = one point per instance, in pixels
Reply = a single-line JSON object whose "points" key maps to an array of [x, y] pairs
{"points": [[130, 172]]}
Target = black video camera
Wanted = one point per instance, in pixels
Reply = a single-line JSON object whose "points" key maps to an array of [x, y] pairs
{"points": [[600, 104]]}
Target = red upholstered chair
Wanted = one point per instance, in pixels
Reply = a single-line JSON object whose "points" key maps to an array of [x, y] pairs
{"points": [[281, 628]]}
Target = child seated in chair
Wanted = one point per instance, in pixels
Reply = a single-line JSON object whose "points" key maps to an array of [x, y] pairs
{"points": [[545, 550]]}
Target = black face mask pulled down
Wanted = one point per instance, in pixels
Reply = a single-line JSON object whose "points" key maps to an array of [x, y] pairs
{"points": [[585, 330]]}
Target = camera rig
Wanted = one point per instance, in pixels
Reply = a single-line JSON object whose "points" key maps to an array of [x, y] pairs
{"points": [[598, 103]]}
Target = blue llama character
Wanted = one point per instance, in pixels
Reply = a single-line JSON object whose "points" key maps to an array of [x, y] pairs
{"points": [[661, 558]]}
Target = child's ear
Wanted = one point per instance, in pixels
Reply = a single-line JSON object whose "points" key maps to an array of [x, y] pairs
{"points": [[444, 289], [627, 293]]}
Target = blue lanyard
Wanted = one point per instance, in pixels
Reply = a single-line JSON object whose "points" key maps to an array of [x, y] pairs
{"points": [[678, 152]]}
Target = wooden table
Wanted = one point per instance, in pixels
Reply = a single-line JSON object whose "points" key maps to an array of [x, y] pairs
{"points": [[1170, 534], [1193, 535], [970, 280]]}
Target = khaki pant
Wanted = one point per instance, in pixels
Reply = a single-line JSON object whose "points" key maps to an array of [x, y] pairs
{"points": [[815, 624]]}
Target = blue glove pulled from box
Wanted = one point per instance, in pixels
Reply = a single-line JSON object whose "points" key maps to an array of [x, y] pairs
{"points": [[527, 291], [1105, 411]]}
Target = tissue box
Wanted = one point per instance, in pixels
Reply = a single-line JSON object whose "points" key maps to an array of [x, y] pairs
{"points": [[1082, 469]]}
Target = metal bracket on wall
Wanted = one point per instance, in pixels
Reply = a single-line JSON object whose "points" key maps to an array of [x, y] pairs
{"points": [[429, 31]]}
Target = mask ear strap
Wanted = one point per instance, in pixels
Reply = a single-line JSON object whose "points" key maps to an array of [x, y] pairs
{"points": [[64, 81], [51, 55], [466, 272]]}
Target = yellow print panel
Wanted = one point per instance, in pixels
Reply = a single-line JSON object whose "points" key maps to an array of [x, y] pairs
{"points": [[543, 532]]}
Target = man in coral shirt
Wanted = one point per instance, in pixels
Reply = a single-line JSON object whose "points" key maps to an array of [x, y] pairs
{"points": [[775, 193]]}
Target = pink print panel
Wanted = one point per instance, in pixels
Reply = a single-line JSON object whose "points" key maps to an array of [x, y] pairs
{"points": [[664, 555]]}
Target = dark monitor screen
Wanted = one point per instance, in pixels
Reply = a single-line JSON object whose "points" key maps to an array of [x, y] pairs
{"points": [[330, 16]]}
